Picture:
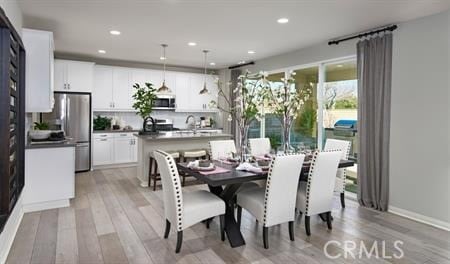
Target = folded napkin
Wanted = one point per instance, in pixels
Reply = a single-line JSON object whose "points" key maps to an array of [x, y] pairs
{"points": [[249, 167], [193, 164]]}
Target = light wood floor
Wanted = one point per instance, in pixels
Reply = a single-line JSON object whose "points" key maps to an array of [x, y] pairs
{"points": [[113, 220]]}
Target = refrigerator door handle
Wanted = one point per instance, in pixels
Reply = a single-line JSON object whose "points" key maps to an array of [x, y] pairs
{"points": [[67, 114]]}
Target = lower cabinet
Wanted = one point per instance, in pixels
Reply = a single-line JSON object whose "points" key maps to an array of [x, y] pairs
{"points": [[114, 148]]}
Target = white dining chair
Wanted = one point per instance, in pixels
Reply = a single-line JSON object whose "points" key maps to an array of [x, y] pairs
{"points": [[316, 195], [274, 204], [259, 146], [184, 209], [221, 148], [341, 174]]}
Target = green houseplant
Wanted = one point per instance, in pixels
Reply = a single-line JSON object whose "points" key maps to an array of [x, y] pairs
{"points": [[144, 98], [41, 126], [102, 122]]}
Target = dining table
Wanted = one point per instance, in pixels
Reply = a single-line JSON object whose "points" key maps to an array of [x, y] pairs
{"points": [[227, 180]]}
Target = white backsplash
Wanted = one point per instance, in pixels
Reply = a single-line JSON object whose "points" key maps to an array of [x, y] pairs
{"points": [[179, 119]]}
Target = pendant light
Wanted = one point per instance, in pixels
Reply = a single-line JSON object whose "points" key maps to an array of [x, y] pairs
{"points": [[204, 90], [164, 88]]}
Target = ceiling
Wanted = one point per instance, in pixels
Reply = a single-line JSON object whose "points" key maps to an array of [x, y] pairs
{"points": [[228, 28]]}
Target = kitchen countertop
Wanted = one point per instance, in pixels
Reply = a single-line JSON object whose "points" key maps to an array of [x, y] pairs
{"points": [[116, 131], [66, 144], [182, 136]]}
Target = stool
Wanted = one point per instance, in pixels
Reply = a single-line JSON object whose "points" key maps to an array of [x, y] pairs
{"points": [[153, 164], [192, 154]]}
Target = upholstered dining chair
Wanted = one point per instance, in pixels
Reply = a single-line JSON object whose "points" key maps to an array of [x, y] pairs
{"points": [[341, 174], [274, 204], [184, 209], [259, 146], [316, 195], [221, 148]]}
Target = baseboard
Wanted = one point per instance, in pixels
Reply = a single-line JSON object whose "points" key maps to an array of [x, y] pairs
{"points": [[114, 166], [45, 205], [10, 230], [420, 218]]}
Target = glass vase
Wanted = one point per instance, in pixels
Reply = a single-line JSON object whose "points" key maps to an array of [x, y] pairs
{"points": [[243, 150]]}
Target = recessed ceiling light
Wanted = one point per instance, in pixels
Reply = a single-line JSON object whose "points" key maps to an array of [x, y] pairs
{"points": [[339, 66], [102, 51], [251, 52], [283, 20], [162, 58], [192, 44], [212, 63], [114, 32]]}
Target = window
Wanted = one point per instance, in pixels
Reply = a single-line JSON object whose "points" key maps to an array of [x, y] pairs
{"points": [[340, 102], [304, 129]]}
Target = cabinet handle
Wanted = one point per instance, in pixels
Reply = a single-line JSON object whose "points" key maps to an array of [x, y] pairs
{"points": [[65, 86], [103, 139], [123, 135]]}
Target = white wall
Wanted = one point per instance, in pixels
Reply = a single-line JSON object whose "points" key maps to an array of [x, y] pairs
{"points": [[419, 154], [14, 14], [419, 164]]}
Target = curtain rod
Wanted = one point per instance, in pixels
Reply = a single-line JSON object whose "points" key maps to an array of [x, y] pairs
{"points": [[240, 65], [362, 34]]}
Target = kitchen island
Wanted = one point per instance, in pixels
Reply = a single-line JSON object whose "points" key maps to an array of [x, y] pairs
{"points": [[170, 141]]}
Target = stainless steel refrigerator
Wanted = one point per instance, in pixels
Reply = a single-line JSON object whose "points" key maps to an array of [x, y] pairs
{"points": [[72, 114]]}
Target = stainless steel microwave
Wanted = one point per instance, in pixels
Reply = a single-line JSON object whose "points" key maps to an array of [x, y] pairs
{"points": [[164, 102]]}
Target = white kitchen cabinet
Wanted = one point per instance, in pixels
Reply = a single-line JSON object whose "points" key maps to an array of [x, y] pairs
{"points": [[114, 148], [73, 76], [188, 95], [103, 149], [121, 89], [140, 76], [183, 93], [39, 70], [124, 148], [49, 178], [102, 97]]}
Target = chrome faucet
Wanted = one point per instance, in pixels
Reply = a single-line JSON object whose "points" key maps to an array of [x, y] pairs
{"points": [[195, 122]]}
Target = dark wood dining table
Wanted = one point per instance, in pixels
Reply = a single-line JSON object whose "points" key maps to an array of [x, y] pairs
{"points": [[225, 185]]}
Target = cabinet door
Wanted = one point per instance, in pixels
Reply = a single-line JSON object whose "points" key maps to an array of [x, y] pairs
{"points": [[103, 151], [213, 89], [60, 72], [80, 76], [122, 150], [134, 149], [121, 88], [197, 100], [39, 70], [183, 91], [102, 90]]}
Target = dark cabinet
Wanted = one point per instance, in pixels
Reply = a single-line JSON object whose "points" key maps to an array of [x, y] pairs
{"points": [[12, 117]]}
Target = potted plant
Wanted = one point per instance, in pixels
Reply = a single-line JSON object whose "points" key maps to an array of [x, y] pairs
{"points": [[144, 98], [245, 108], [285, 102], [40, 131], [102, 123]]}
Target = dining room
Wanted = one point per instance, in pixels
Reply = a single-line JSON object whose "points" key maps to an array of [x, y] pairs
{"points": [[296, 132]]}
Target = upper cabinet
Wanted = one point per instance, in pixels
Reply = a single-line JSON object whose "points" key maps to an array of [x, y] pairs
{"points": [[113, 88], [73, 76], [188, 94], [39, 70]]}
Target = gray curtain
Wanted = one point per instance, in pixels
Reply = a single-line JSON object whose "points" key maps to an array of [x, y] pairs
{"points": [[374, 62], [234, 80]]}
